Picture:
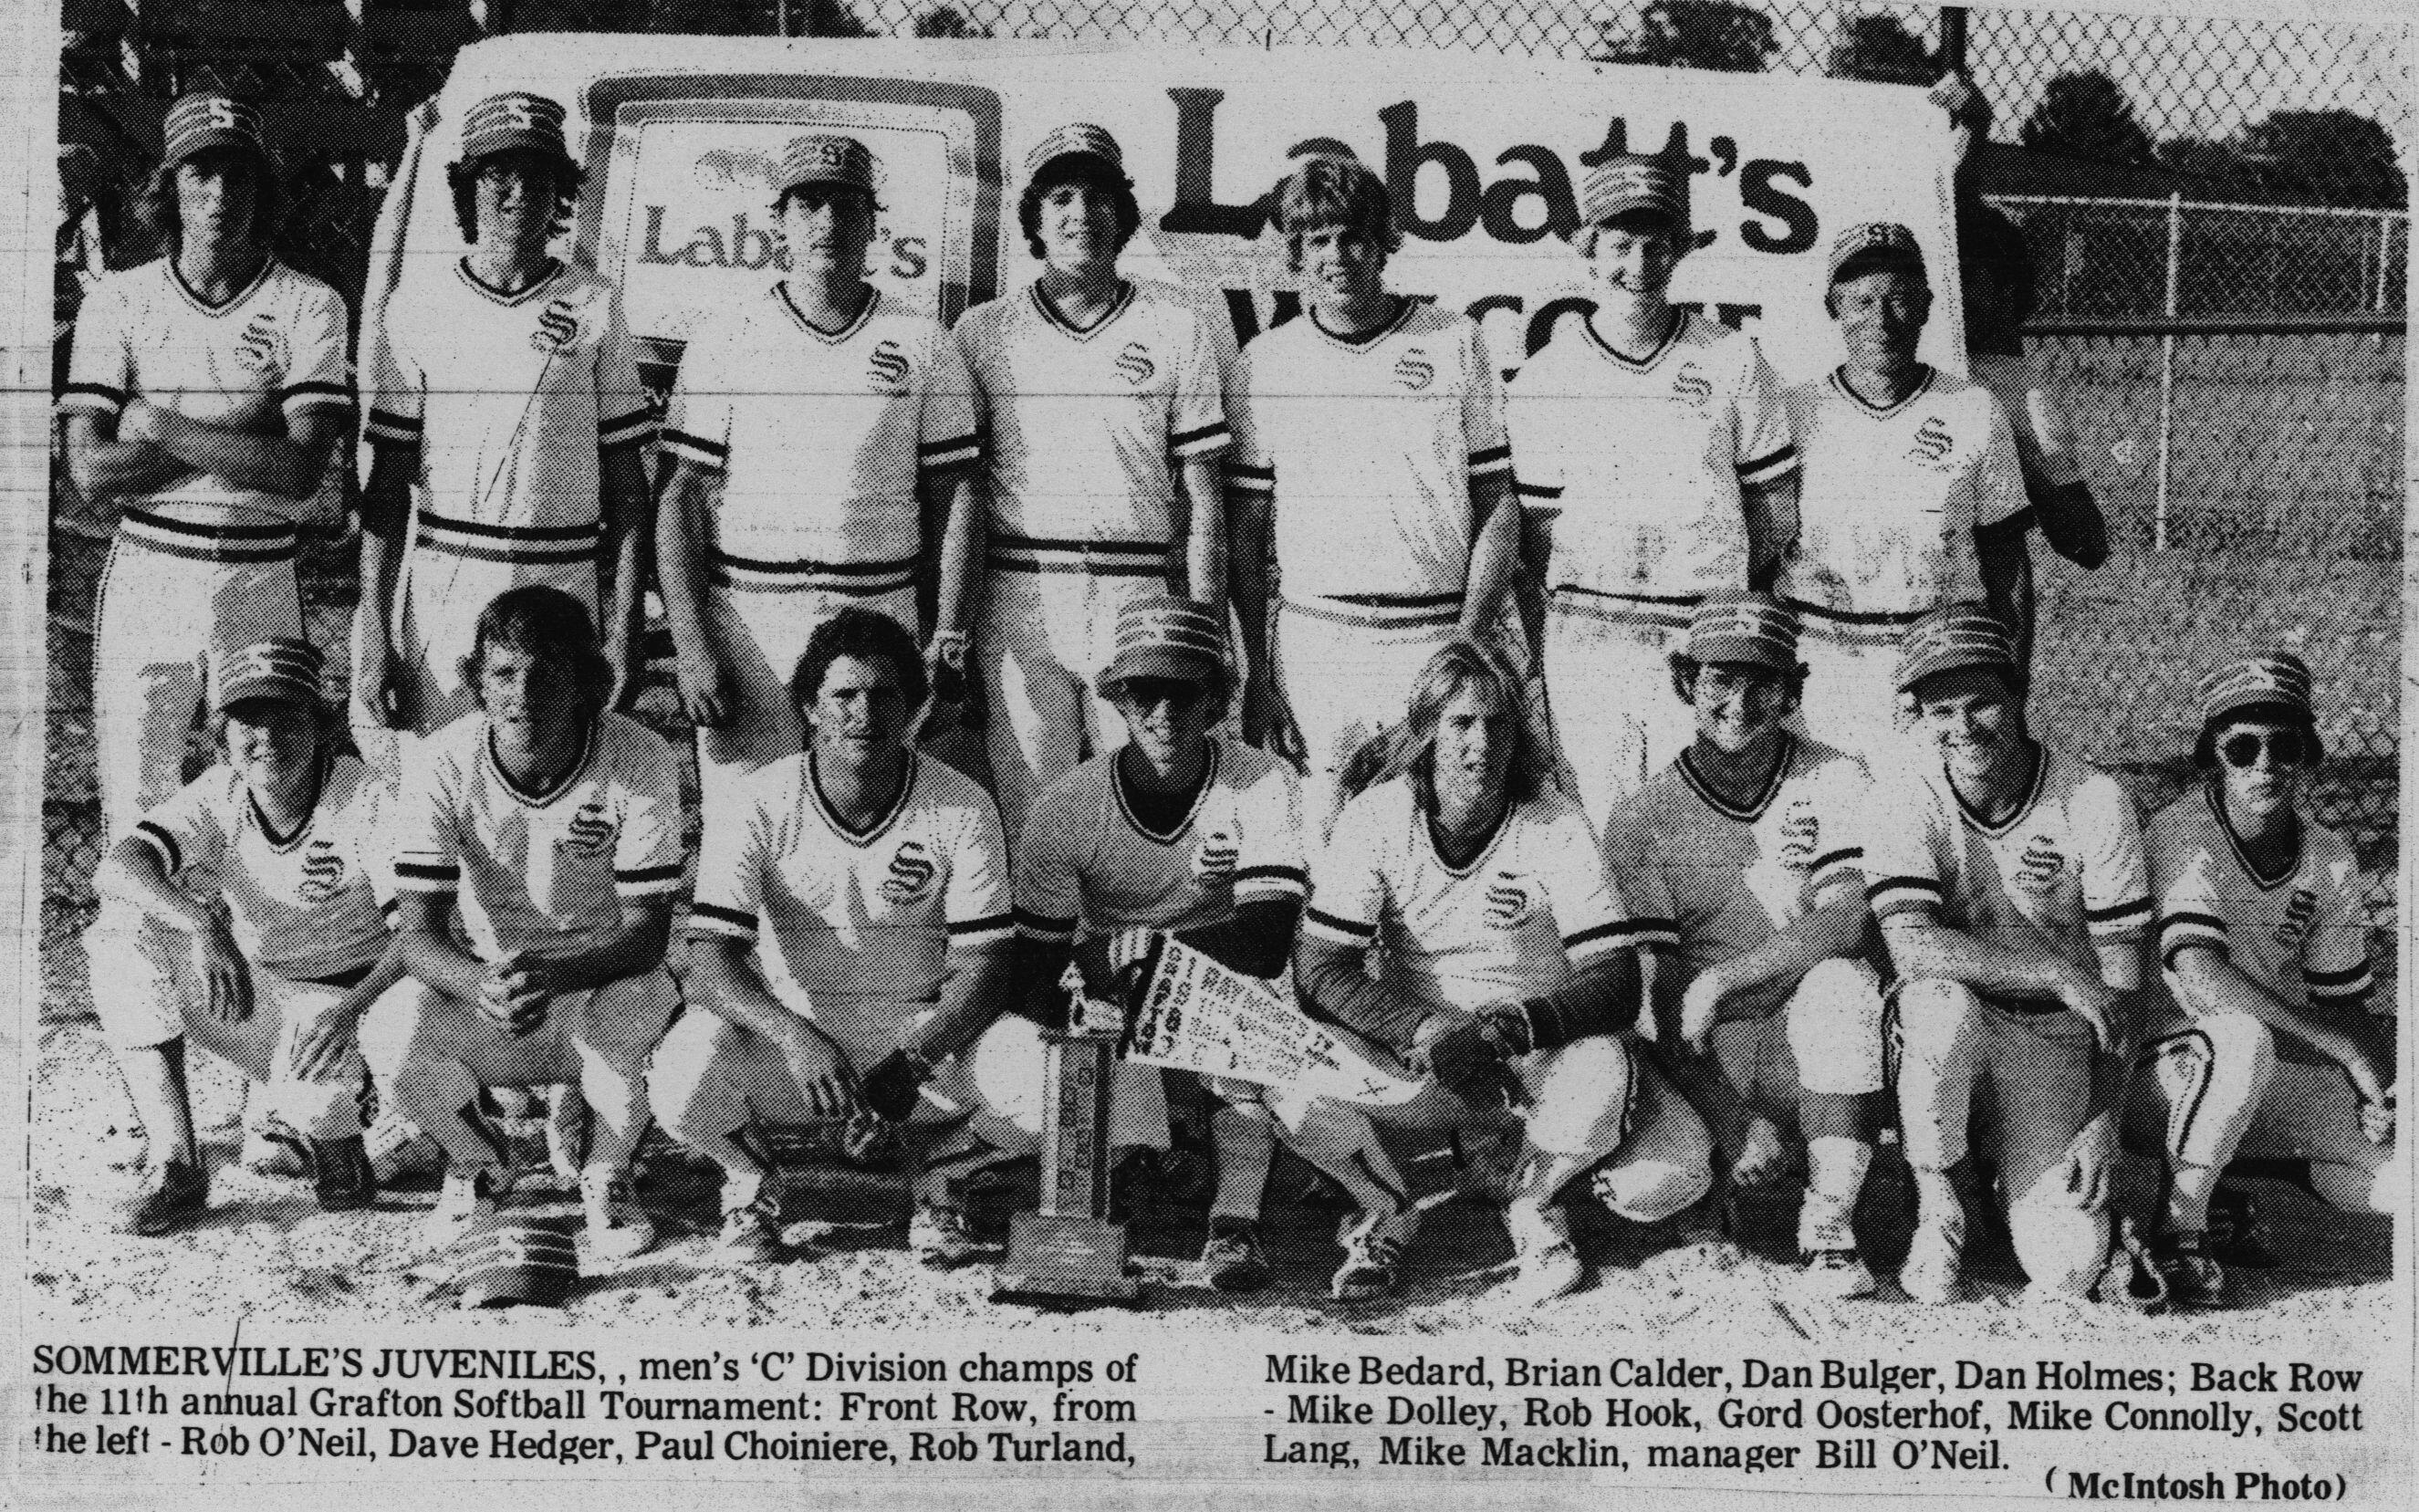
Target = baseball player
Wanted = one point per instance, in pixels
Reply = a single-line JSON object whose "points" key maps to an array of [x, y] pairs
{"points": [[537, 853], [507, 422], [2263, 929], [1104, 403], [853, 944], [810, 430], [1912, 498], [1746, 845], [1369, 440], [1178, 832], [2009, 880], [205, 394], [1656, 468], [1506, 977], [285, 832]]}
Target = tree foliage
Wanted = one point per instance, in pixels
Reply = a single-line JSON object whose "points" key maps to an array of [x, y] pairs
{"points": [[2087, 115], [2328, 157], [1880, 49], [1697, 34]]}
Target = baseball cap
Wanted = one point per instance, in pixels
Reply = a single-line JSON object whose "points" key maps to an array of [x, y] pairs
{"points": [[283, 667], [510, 1257], [1872, 244], [2271, 679], [1755, 628], [205, 119], [515, 121], [1632, 182], [1948, 640], [1080, 139], [1160, 635], [823, 158]]}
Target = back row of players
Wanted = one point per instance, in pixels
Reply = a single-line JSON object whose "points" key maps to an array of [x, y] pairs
{"points": [[1055, 466]]}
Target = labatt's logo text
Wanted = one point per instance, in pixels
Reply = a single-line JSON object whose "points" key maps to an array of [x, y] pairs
{"points": [[749, 247]]}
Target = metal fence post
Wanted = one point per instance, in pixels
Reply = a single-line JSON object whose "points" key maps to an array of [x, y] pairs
{"points": [[2167, 369]]}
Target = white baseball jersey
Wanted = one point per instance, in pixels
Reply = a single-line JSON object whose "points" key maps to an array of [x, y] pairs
{"points": [[2302, 931], [1531, 909], [1370, 444], [2063, 871], [144, 333], [820, 438], [1088, 860], [304, 904], [1714, 881], [2046, 444], [1891, 498], [532, 870], [1087, 427], [1645, 459], [509, 399], [850, 924]]}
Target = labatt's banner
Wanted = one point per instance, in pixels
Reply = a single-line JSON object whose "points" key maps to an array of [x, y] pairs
{"points": [[1483, 155]]}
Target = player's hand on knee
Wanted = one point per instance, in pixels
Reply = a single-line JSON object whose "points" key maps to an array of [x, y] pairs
{"points": [[1762, 1154], [2092, 1162], [1269, 723], [890, 1090], [223, 970], [1462, 1052], [321, 1040], [1700, 1006], [705, 687], [821, 1070], [518, 993]]}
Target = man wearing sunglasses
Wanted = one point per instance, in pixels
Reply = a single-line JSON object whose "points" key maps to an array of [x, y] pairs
{"points": [[2267, 1052], [1175, 832], [2010, 884]]}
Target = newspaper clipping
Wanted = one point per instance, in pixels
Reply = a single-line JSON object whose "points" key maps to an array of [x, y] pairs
{"points": [[838, 752]]}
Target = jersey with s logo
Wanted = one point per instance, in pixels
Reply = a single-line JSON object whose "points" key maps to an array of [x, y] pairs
{"points": [[1134, 363], [558, 327], [911, 872], [1413, 370]]}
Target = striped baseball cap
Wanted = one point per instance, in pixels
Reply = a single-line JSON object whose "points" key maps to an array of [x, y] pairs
{"points": [[1160, 635], [1080, 139], [515, 121], [510, 1258], [1755, 628], [205, 119], [1948, 640], [283, 667], [1632, 182], [1872, 244], [2271, 679], [823, 158]]}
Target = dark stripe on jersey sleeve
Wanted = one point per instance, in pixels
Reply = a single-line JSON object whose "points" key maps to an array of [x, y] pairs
{"points": [[685, 442], [1526, 489], [1288, 873], [720, 915], [2116, 911], [1618, 929], [648, 873], [954, 443], [1487, 457], [989, 925], [1845, 853], [1769, 462], [2170, 949], [1342, 926], [317, 390], [1041, 924], [2335, 979], [1182, 439], [420, 871], [117, 397], [164, 843]]}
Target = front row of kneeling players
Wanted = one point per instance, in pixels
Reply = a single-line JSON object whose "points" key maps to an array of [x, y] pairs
{"points": [[859, 944]]}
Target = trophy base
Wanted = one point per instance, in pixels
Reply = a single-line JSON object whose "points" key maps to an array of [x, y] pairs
{"points": [[1054, 1258]]}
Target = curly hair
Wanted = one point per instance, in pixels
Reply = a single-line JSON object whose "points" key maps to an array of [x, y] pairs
{"points": [[552, 627], [463, 180], [156, 205], [868, 636], [1329, 191], [1077, 168], [1408, 750]]}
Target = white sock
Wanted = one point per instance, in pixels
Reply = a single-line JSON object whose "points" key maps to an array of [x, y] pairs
{"points": [[1835, 1174]]}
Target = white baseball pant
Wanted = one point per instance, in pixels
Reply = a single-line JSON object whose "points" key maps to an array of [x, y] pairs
{"points": [[1346, 671], [1617, 720]]}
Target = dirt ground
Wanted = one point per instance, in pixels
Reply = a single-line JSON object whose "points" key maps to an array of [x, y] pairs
{"points": [[265, 1254]]}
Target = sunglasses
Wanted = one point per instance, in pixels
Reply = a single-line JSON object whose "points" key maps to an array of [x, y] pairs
{"points": [[1150, 692], [2285, 747]]}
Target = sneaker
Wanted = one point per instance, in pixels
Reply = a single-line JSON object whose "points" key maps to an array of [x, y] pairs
{"points": [[942, 1236], [174, 1193], [2194, 1277], [272, 1147], [1549, 1263], [1373, 1255], [1232, 1259], [468, 1195], [751, 1235], [2236, 1235], [340, 1174], [1840, 1273], [399, 1152], [616, 1229], [1930, 1274]]}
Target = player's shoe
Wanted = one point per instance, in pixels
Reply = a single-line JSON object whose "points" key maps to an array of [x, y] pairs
{"points": [[1930, 1274], [751, 1235], [1839, 1273], [617, 1229], [943, 1236], [469, 1193], [399, 1150], [2236, 1235], [1373, 1255], [272, 1148], [1549, 1263], [174, 1194], [2194, 1277], [1232, 1259], [341, 1178]]}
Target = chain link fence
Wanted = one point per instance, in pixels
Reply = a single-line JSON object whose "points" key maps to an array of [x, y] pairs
{"points": [[2167, 174]]}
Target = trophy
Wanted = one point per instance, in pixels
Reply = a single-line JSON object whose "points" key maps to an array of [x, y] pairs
{"points": [[1071, 1250]]}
